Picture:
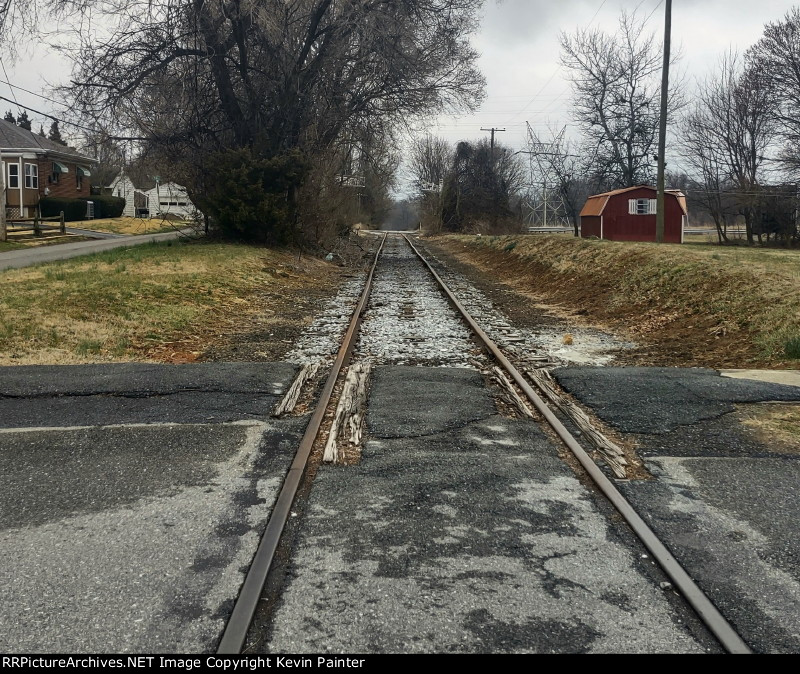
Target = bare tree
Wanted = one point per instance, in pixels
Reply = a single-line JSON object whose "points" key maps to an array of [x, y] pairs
{"points": [[430, 159], [109, 153], [194, 77], [726, 136], [711, 185], [776, 56], [617, 86], [21, 20], [480, 185], [276, 73]]}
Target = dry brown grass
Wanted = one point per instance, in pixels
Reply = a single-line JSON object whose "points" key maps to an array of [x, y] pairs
{"points": [[699, 304], [133, 304], [774, 424], [125, 225]]}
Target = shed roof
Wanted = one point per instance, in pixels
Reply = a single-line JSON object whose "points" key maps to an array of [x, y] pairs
{"points": [[596, 204]]}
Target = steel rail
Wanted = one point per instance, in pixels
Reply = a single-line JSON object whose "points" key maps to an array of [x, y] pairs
{"points": [[702, 605], [244, 609]]}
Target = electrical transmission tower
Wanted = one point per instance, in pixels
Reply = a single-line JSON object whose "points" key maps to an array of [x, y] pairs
{"points": [[546, 207]]}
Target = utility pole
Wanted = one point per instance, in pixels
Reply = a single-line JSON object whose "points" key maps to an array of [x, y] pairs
{"points": [[491, 153], [662, 126], [493, 130]]}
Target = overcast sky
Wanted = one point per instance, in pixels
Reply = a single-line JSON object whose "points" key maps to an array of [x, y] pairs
{"points": [[519, 50], [518, 42]]}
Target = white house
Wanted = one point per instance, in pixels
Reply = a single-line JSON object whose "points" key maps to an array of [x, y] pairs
{"points": [[165, 199], [135, 199], [170, 199]]}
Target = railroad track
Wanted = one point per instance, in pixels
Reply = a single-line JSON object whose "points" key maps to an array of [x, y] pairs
{"points": [[521, 382]]}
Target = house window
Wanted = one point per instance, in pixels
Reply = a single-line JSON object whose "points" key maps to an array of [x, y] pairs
{"points": [[13, 175], [642, 206], [56, 173], [78, 180], [32, 176]]}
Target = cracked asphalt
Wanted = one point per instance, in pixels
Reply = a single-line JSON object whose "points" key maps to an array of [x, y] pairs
{"points": [[463, 531], [724, 503], [132, 499]]}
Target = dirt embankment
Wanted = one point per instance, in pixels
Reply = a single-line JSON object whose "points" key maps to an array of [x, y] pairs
{"points": [[684, 305]]}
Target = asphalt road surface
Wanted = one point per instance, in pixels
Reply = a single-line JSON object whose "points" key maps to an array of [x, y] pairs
{"points": [[133, 497], [16, 259], [725, 504]]}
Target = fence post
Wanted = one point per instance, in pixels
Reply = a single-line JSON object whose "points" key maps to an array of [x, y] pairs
{"points": [[37, 226], [63, 226]]}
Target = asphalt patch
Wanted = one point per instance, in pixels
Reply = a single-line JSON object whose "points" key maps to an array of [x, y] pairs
{"points": [[472, 538], [132, 500], [407, 401], [659, 399], [732, 524], [27, 381], [126, 393]]}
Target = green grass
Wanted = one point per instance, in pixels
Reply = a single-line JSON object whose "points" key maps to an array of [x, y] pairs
{"points": [[792, 347], [116, 303]]}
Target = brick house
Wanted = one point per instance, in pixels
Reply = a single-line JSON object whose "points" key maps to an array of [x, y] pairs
{"points": [[35, 167]]}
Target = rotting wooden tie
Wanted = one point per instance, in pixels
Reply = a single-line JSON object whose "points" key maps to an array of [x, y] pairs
{"points": [[611, 452], [349, 413], [289, 400], [511, 392]]}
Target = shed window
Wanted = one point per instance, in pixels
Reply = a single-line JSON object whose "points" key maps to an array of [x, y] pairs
{"points": [[642, 206], [13, 175], [32, 176]]}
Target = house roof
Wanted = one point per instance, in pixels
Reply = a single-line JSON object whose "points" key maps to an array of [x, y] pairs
{"points": [[13, 137], [596, 204], [138, 177]]}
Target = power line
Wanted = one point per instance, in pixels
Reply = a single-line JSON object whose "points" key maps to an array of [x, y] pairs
{"points": [[11, 88], [602, 4], [28, 91], [60, 120], [557, 70], [49, 116], [650, 15]]}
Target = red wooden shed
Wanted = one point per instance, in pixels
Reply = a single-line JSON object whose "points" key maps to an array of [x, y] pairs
{"points": [[630, 215]]}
